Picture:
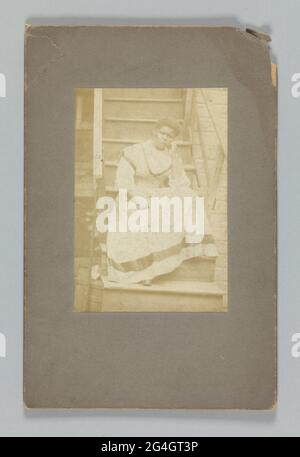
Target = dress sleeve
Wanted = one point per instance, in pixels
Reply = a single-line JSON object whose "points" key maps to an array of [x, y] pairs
{"points": [[125, 175]]}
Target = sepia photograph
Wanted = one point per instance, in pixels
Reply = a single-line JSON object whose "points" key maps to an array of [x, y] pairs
{"points": [[150, 200], [150, 230]]}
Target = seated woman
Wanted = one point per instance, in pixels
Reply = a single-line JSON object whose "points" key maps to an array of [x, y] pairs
{"points": [[148, 169]]}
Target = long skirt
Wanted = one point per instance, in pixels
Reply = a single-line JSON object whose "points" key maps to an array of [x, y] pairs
{"points": [[135, 257]]}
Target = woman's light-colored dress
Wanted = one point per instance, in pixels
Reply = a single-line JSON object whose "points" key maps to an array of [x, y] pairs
{"points": [[134, 257]]}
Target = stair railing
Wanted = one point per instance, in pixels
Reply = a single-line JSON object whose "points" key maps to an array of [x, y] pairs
{"points": [[192, 118]]}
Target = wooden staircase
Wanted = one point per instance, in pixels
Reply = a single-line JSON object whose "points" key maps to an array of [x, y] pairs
{"points": [[129, 116]]}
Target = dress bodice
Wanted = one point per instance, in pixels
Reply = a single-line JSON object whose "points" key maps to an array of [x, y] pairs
{"points": [[145, 166]]}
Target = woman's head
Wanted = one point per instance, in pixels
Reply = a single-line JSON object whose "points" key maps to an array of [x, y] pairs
{"points": [[166, 130]]}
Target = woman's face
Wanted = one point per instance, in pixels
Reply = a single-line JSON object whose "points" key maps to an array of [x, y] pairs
{"points": [[164, 136]]}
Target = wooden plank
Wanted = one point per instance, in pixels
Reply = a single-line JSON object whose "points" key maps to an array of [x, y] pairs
{"points": [[147, 100], [220, 137], [213, 186], [188, 112], [97, 134], [143, 92], [164, 296]]}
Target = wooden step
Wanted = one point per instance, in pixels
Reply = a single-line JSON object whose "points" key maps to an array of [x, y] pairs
{"points": [[112, 149], [133, 128], [143, 107], [196, 269], [162, 296], [143, 92]]}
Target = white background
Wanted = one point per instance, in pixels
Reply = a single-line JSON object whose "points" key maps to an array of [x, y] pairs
{"points": [[281, 20]]}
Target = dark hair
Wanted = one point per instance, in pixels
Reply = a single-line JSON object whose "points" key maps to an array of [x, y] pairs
{"points": [[169, 122]]}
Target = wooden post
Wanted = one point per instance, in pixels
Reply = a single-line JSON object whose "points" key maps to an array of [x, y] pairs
{"points": [[95, 288], [97, 134], [79, 102], [188, 110]]}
